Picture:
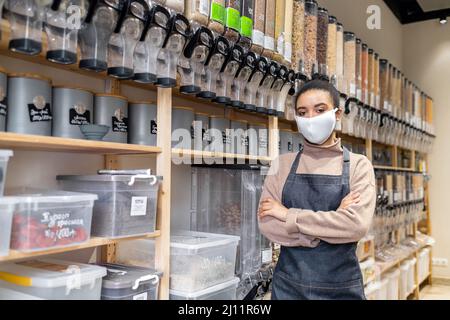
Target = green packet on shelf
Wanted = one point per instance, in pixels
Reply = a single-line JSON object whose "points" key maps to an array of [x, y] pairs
{"points": [[233, 19], [246, 27], [217, 12]]}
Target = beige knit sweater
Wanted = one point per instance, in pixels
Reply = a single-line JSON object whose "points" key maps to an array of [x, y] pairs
{"points": [[306, 228]]}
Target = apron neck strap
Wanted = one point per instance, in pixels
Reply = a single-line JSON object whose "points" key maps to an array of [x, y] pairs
{"points": [[296, 162], [346, 166]]}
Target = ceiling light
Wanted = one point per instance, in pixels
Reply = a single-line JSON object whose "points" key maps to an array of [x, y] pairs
{"points": [[443, 20]]}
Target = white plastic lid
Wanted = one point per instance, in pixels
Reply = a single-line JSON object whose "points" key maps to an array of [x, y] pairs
{"points": [[49, 197], [200, 240], [393, 274], [208, 291], [49, 273], [6, 153]]}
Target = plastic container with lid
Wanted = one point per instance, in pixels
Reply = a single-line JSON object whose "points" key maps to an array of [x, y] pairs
{"points": [[4, 159], [126, 204], [50, 219], [376, 81], [239, 138], [358, 68], [393, 285], [350, 64], [7, 208], [232, 20], [112, 111], [297, 142], [53, 279], [310, 49], [225, 291], [139, 253], [201, 260], [411, 275], [29, 104], [73, 107], [219, 134], [130, 283], [404, 271], [258, 139], [370, 78], [298, 35], [372, 291], [269, 33], [383, 292], [322, 40], [259, 26], [384, 85], [182, 127], [246, 24], [201, 131], [3, 99], [340, 57], [286, 141], [8, 294], [143, 123], [332, 47], [364, 73]]}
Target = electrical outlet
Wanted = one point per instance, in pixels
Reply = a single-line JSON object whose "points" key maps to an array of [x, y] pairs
{"points": [[440, 262]]}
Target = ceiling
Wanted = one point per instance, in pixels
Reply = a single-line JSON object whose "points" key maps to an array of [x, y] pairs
{"points": [[409, 11]]}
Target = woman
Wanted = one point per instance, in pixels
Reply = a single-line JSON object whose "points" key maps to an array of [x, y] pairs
{"points": [[317, 205]]}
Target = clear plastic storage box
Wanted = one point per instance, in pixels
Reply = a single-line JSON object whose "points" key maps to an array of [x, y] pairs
{"points": [[225, 291], [404, 271], [11, 295], [393, 284], [126, 204], [130, 283], [6, 214], [4, 158], [53, 279], [50, 219], [423, 266], [139, 253]]}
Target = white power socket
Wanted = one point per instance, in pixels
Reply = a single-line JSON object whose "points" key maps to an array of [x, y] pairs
{"points": [[440, 262]]}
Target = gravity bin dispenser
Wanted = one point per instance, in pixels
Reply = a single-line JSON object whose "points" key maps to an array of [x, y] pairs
{"points": [[225, 200], [226, 76]]}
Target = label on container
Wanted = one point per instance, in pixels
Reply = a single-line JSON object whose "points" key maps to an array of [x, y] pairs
{"points": [[372, 100], [288, 51], [153, 127], [244, 140], [120, 125], [262, 142], [352, 89], [246, 28], [280, 45], [232, 18], [3, 108], [386, 106], [217, 12], [203, 7], [269, 43], [77, 118], [226, 137], [359, 94], [411, 196], [138, 206], [40, 113], [266, 256], [258, 38], [377, 102], [397, 196], [141, 296], [290, 146]]}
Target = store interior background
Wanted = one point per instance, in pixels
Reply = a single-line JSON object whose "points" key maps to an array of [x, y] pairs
{"points": [[421, 50]]}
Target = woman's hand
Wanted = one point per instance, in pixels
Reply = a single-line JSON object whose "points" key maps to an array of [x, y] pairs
{"points": [[272, 208], [351, 198]]}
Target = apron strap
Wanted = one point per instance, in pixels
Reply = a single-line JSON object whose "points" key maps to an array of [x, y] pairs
{"points": [[296, 162], [346, 167]]}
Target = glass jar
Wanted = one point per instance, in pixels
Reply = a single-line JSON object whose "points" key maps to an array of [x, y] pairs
{"points": [[151, 42], [288, 28], [358, 68], [227, 74], [376, 80], [280, 6], [269, 37], [232, 20], [259, 26], [322, 40], [310, 49], [350, 63], [124, 39], [332, 47], [340, 57], [191, 65], [384, 83], [370, 77], [62, 30], [25, 19], [365, 73], [246, 24], [95, 33], [217, 16], [179, 32], [298, 35]]}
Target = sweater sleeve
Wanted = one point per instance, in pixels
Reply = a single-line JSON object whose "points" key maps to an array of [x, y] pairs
{"points": [[272, 228], [344, 225]]}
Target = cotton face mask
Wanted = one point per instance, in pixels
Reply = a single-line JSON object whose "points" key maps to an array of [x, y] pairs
{"points": [[317, 129]]}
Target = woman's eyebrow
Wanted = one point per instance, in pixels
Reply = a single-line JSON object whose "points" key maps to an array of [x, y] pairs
{"points": [[320, 104]]}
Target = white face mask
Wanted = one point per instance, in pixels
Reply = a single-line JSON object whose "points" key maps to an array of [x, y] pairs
{"points": [[318, 129]]}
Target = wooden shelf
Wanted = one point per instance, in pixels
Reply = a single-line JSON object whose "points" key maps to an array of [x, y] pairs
{"points": [[393, 168], [92, 243], [44, 143], [215, 155]]}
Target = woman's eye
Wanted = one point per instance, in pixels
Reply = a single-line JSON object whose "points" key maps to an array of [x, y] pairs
{"points": [[302, 114], [320, 110]]}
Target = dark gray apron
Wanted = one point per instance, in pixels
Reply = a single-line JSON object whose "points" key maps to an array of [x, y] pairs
{"points": [[329, 271]]}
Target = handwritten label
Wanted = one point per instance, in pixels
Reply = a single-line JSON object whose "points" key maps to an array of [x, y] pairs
{"points": [[153, 127], [40, 115], [120, 125], [77, 119], [3, 108]]}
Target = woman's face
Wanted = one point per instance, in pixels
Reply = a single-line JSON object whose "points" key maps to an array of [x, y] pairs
{"points": [[314, 103]]}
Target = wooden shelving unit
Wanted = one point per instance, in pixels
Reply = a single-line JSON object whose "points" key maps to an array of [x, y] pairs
{"points": [[182, 153]]}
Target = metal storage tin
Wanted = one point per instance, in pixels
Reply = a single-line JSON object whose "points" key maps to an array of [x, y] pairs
{"points": [[219, 126], [112, 110], [239, 137], [297, 141], [3, 98], [143, 124], [258, 139], [285, 141], [72, 107], [201, 131], [182, 127], [30, 104]]}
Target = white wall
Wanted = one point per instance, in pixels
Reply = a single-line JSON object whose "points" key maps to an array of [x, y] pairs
{"points": [[353, 15], [426, 58]]}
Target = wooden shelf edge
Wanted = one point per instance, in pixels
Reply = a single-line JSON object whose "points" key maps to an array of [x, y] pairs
{"points": [[46, 143], [219, 155], [92, 243]]}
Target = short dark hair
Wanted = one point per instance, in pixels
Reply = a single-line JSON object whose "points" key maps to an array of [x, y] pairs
{"points": [[323, 86]]}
